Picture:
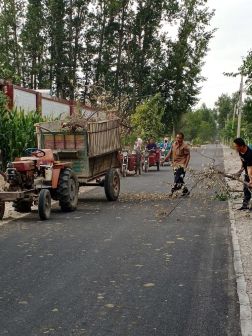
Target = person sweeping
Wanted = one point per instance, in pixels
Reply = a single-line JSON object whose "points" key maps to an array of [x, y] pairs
{"points": [[245, 154], [180, 154]]}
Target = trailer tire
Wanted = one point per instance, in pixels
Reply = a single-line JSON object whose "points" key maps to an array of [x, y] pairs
{"points": [[112, 185], [44, 204], [22, 206], [68, 189], [2, 209]]}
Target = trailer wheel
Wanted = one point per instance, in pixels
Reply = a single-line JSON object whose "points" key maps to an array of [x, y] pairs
{"points": [[68, 190], [44, 204], [22, 206], [2, 208], [112, 185]]}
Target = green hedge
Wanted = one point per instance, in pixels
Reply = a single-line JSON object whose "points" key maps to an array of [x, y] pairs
{"points": [[17, 131]]}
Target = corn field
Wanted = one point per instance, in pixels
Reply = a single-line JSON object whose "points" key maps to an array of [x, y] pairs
{"points": [[16, 131]]}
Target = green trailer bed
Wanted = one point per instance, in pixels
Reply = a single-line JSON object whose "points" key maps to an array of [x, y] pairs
{"points": [[92, 151]]}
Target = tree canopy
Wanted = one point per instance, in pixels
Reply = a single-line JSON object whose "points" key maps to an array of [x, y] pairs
{"points": [[123, 46]]}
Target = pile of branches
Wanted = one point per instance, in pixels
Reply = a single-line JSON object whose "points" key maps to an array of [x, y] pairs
{"points": [[211, 178]]}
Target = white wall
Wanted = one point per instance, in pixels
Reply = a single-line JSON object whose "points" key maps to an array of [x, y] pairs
{"points": [[54, 109], [24, 100]]}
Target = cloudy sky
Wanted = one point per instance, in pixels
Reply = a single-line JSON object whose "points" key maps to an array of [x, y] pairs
{"points": [[231, 43]]}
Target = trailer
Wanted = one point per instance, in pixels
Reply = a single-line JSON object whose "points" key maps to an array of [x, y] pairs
{"points": [[93, 151]]}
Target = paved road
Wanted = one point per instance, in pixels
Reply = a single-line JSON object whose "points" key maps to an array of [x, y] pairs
{"points": [[130, 268]]}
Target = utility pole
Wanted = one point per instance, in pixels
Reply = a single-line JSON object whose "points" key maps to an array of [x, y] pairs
{"points": [[234, 114], [239, 108]]}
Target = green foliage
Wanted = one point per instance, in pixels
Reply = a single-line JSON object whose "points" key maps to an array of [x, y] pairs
{"points": [[11, 16], [34, 45], [182, 73], [147, 120], [225, 106], [68, 46], [199, 126], [228, 121], [222, 196], [229, 130], [246, 69], [16, 130]]}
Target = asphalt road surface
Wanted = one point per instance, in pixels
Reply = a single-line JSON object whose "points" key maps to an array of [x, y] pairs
{"points": [[146, 265]]}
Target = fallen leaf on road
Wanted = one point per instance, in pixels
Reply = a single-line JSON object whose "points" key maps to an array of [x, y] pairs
{"points": [[150, 284]]}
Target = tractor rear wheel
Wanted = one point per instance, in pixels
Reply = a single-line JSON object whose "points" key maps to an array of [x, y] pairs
{"points": [[2, 208], [112, 185], [44, 204], [68, 190], [22, 206]]}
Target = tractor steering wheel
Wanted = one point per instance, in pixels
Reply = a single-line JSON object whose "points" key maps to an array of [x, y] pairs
{"points": [[35, 152]]}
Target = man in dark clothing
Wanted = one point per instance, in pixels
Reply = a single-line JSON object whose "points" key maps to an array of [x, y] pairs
{"points": [[151, 145], [245, 154]]}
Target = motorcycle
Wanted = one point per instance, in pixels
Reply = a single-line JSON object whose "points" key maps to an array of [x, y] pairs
{"points": [[125, 162], [164, 152]]}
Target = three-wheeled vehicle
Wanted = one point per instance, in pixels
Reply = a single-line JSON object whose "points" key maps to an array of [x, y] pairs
{"points": [[151, 158], [124, 159], [131, 162]]}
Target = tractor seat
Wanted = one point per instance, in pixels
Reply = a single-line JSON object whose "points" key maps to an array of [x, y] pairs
{"points": [[48, 158]]}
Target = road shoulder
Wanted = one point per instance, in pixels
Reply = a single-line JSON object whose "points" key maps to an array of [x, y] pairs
{"points": [[241, 230]]}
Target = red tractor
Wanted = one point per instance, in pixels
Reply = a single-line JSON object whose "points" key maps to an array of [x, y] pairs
{"points": [[37, 178]]}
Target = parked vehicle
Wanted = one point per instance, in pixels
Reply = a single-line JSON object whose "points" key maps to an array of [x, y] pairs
{"points": [[92, 149], [164, 152], [124, 157], [131, 162], [151, 158], [36, 179]]}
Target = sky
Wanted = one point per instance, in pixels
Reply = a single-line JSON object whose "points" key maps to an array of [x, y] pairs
{"points": [[231, 43]]}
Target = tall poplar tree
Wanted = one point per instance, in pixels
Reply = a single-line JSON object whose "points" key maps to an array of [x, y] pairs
{"points": [[57, 37], [11, 15], [182, 75], [34, 46]]}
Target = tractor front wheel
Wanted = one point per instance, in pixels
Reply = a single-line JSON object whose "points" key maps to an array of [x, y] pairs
{"points": [[44, 204], [68, 190]]}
